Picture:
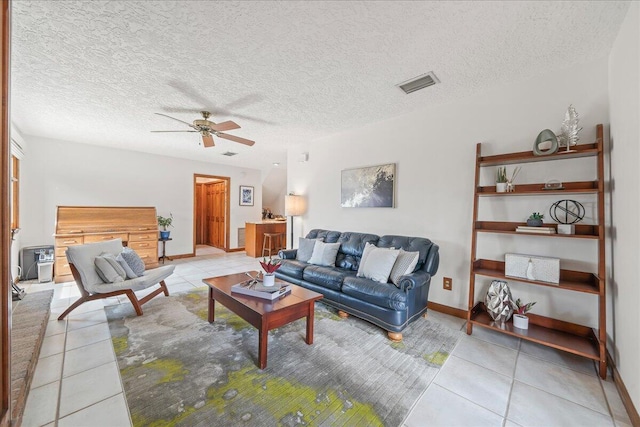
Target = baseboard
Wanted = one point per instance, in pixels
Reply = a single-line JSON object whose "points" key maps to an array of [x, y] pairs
{"points": [[452, 311], [235, 250], [191, 255], [624, 393]]}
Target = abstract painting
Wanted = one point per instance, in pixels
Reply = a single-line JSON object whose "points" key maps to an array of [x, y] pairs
{"points": [[246, 195], [369, 187]]}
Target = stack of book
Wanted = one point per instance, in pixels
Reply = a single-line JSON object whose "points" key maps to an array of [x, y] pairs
{"points": [[537, 230], [257, 289]]}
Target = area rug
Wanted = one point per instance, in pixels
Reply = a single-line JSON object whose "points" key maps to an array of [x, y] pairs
{"points": [[179, 370], [29, 319]]}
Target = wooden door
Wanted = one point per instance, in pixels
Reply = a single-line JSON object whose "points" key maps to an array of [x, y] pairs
{"points": [[5, 215], [216, 208], [201, 215]]}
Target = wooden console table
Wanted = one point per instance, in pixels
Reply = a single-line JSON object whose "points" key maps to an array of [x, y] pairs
{"points": [[77, 225]]}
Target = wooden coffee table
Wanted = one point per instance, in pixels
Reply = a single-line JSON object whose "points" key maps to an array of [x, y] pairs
{"points": [[261, 313]]}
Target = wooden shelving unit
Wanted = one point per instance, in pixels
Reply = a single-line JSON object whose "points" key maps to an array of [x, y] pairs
{"points": [[572, 338]]}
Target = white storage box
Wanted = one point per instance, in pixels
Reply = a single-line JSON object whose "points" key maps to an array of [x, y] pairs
{"points": [[532, 267]]}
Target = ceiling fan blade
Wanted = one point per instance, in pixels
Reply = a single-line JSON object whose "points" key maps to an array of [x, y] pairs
{"points": [[177, 120], [228, 125], [207, 140], [174, 131], [236, 139]]}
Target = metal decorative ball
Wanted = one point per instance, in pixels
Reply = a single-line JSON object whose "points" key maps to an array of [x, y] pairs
{"points": [[567, 211], [499, 301]]}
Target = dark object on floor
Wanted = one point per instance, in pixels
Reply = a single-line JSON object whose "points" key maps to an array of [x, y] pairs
{"points": [[17, 293], [29, 323]]}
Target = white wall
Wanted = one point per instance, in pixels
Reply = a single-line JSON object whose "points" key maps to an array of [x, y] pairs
{"points": [[274, 188], [623, 290], [434, 150], [59, 173]]}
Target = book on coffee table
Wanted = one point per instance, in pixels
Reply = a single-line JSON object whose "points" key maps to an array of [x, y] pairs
{"points": [[251, 288]]}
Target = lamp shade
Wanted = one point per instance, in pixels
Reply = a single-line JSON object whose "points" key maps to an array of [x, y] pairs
{"points": [[294, 205]]}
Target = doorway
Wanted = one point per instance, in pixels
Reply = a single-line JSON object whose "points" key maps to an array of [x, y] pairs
{"points": [[211, 211]]}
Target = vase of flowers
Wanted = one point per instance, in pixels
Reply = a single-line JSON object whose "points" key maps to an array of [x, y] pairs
{"points": [[520, 320], [269, 266], [165, 222]]}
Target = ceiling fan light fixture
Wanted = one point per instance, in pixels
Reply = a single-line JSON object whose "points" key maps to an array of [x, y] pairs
{"points": [[229, 153], [417, 83]]}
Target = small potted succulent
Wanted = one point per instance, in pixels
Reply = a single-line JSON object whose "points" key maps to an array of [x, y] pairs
{"points": [[269, 266], [520, 320], [164, 223], [501, 179], [535, 220]]}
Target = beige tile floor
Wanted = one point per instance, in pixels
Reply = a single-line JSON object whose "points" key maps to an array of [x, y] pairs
{"points": [[490, 379]]}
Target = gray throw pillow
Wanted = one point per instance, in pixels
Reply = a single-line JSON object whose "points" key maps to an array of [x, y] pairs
{"points": [[130, 273], [324, 253], [305, 248], [108, 268], [134, 261], [377, 263], [405, 264]]}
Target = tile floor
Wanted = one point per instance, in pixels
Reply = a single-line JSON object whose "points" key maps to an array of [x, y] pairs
{"points": [[490, 379]]}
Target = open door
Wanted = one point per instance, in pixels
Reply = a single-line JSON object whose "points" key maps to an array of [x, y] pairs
{"points": [[211, 211]]}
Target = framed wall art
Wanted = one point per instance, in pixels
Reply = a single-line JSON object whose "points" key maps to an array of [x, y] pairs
{"points": [[369, 187], [246, 195]]}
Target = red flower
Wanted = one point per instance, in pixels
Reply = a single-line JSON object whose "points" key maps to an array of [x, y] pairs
{"points": [[271, 265]]}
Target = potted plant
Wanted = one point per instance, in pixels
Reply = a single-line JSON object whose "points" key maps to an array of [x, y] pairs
{"points": [[269, 266], [520, 320], [501, 179], [535, 219], [164, 223]]}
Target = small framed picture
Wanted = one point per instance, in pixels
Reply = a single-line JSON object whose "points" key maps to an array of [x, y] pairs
{"points": [[246, 195]]}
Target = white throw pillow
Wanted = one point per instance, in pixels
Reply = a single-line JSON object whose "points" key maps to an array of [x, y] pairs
{"points": [[405, 263], [324, 253], [376, 263]]}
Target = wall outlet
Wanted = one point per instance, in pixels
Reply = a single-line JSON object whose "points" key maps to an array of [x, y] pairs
{"points": [[447, 283]]}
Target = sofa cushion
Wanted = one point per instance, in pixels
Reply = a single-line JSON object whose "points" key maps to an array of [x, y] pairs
{"points": [[377, 263], [130, 273], [133, 259], [405, 264], [409, 244], [381, 294], [109, 269], [292, 268], [327, 235], [324, 253], [328, 277], [352, 247], [305, 248]]}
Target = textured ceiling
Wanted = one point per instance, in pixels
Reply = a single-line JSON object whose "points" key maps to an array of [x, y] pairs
{"points": [[95, 72]]}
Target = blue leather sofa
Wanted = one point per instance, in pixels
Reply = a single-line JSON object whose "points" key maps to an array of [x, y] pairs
{"points": [[383, 304]]}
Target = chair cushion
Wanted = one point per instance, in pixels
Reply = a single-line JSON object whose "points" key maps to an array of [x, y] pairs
{"points": [[377, 263], [150, 278], [130, 273], [328, 277], [405, 264], [324, 253], [82, 256], [305, 248], [381, 294], [292, 268], [108, 268], [133, 259]]}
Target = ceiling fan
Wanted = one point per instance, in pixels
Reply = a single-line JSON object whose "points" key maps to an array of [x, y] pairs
{"points": [[207, 129]]}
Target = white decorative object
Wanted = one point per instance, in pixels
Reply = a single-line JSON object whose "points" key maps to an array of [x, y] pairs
{"points": [[269, 279], [569, 130], [520, 321], [532, 267], [499, 302], [566, 229], [501, 187]]}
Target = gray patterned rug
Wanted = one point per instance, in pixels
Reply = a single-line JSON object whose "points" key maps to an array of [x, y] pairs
{"points": [[179, 370]]}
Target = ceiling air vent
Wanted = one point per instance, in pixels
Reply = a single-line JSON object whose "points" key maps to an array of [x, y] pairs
{"points": [[229, 154], [419, 82]]}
